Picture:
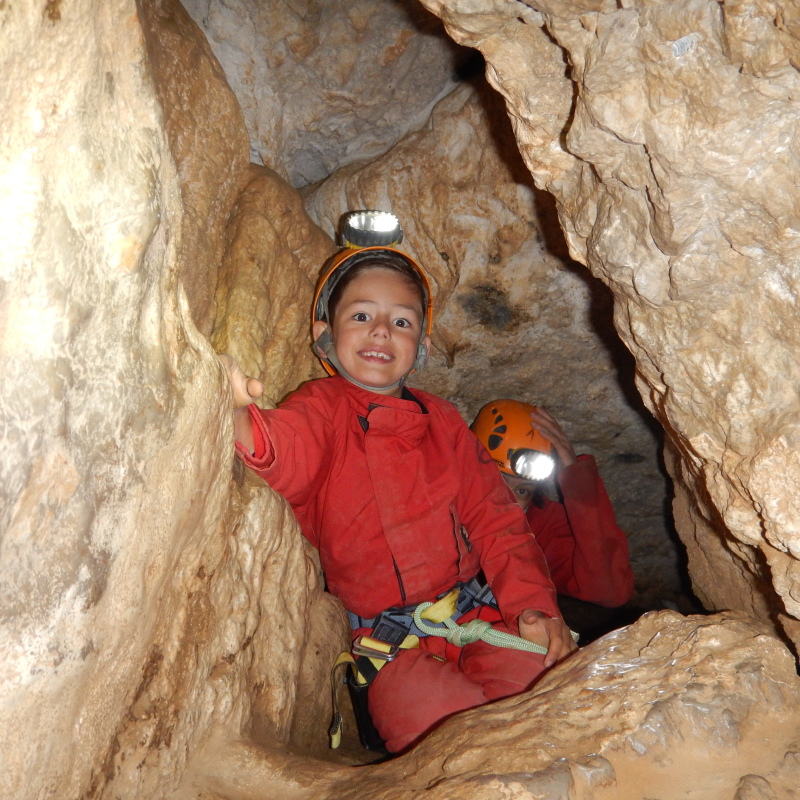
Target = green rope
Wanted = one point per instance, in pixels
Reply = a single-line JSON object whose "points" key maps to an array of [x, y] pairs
{"points": [[472, 631], [476, 629]]}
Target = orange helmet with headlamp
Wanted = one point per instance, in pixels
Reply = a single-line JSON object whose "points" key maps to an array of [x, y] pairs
{"points": [[506, 429], [366, 233]]}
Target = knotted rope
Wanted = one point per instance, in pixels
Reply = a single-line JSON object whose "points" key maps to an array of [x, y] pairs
{"points": [[442, 612]]}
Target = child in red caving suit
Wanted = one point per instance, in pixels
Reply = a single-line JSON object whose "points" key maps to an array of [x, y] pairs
{"points": [[586, 552], [399, 497]]}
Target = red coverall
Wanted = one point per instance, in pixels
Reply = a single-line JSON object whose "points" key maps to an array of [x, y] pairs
{"points": [[585, 550], [402, 502]]}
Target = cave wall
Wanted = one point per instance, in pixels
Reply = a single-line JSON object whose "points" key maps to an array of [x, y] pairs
{"points": [[667, 134], [136, 572], [208, 139]]}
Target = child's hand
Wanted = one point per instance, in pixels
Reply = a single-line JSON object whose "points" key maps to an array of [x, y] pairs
{"points": [[551, 430], [245, 389], [551, 633]]}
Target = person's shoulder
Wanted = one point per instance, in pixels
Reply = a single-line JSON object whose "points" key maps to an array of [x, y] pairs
{"points": [[439, 405], [319, 391]]}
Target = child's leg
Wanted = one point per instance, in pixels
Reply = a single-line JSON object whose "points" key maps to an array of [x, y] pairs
{"points": [[412, 694], [500, 671]]}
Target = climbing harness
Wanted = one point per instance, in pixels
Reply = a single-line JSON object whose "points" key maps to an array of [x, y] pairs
{"points": [[393, 630], [371, 653], [358, 683]]}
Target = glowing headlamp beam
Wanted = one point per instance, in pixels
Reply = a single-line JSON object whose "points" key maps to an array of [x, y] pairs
{"points": [[376, 221], [372, 229], [532, 465]]}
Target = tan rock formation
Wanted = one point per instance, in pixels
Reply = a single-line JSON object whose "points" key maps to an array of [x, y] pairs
{"points": [[146, 598], [158, 612], [208, 140], [670, 707], [324, 84], [669, 143], [515, 317], [266, 287]]}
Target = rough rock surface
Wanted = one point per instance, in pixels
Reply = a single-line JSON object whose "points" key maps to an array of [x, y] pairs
{"points": [[206, 133], [667, 132], [157, 611], [515, 316], [671, 707], [266, 285], [142, 588], [322, 84]]}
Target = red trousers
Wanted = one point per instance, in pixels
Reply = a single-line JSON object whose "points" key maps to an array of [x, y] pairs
{"points": [[423, 687]]}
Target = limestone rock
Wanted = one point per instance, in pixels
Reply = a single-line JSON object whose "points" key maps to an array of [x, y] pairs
{"points": [[92, 341], [158, 609], [142, 588], [669, 707], [670, 145], [266, 285], [515, 316], [207, 138], [324, 84]]}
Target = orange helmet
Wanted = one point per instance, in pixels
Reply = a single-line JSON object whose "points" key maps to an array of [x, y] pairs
{"points": [[365, 231], [506, 430]]}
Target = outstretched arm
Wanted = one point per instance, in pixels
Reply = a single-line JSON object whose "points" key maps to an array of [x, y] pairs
{"points": [[245, 391]]}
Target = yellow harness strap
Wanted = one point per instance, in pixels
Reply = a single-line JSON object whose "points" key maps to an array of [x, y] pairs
{"points": [[335, 731], [442, 609]]}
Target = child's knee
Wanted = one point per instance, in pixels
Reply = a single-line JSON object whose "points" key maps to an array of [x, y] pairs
{"points": [[500, 671], [414, 693]]}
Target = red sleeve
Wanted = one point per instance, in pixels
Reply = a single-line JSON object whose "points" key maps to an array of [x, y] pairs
{"points": [[292, 447], [586, 551], [511, 560]]}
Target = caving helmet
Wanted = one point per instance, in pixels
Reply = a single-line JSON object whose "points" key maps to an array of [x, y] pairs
{"points": [[506, 430], [366, 232]]}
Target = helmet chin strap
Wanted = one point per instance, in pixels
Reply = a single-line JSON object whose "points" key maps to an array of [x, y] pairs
{"points": [[326, 350]]}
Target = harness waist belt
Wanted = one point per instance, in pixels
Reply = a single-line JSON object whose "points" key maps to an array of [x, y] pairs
{"points": [[393, 625]]}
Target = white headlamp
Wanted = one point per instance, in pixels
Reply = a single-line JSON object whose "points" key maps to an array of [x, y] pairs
{"points": [[532, 465]]}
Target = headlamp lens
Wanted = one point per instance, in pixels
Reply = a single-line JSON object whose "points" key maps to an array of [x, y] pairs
{"points": [[372, 229], [375, 221], [532, 465]]}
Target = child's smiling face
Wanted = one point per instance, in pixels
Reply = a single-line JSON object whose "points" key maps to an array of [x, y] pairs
{"points": [[377, 328]]}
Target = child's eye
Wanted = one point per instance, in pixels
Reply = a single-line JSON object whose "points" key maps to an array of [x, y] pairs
{"points": [[360, 317], [402, 323]]}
